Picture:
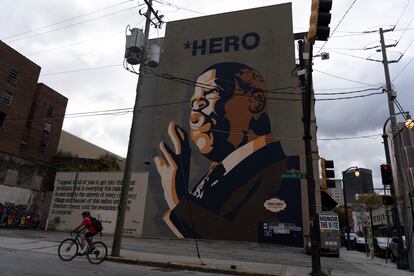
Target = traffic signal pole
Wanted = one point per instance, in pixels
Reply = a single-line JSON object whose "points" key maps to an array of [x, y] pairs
{"points": [[402, 260], [306, 83]]}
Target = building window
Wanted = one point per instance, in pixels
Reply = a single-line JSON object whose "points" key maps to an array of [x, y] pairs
{"points": [[23, 146], [2, 119], [7, 97], [13, 77], [43, 145], [47, 127], [51, 111]]}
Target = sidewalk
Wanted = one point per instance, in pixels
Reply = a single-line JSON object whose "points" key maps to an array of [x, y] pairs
{"points": [[220, 257]]}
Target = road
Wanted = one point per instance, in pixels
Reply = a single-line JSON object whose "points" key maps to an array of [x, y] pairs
{"points": [[31, 252], [19, 257]]}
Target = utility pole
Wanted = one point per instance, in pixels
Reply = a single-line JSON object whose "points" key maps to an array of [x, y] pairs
{"points": [[305, 77], [402, 260], [116, 245]]}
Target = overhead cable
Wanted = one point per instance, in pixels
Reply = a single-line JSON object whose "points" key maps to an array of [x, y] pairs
{"points": [[340, 21], [66, 20]]}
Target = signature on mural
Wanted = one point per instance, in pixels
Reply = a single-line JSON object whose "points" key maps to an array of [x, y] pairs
{"points": [[230, 125]]}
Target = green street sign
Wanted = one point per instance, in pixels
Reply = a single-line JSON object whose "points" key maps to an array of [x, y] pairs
{"points": [[293, 175]]}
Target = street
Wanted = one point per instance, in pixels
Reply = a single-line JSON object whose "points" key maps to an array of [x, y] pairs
{"points": [[35, 263], [32, 252]]}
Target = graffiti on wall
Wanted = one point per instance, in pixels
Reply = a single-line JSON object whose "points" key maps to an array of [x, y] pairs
{"points": [[242, 190]]}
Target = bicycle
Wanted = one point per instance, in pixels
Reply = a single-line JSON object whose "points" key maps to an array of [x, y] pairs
{"points": [[68, 249]]}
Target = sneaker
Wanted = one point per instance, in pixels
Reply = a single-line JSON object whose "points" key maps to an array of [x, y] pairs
{"points": [[80, 254]]}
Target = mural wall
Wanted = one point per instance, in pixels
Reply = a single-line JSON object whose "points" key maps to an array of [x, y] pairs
{"points": [[99, 193], [227, 127]]}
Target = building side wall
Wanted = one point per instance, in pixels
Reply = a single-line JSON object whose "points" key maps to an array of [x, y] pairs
{"points": [[45, 99], [23, 93]]}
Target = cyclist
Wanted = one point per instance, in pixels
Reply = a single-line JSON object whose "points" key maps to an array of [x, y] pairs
{"points": [[91, 231]]}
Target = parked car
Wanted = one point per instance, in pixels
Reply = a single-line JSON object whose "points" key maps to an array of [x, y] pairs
{"points": [[360, 244], [381, 246], [393, 248], [352, 237]]}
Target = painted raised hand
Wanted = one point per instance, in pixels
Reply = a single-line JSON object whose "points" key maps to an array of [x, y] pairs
{"points": [[174, 166]]}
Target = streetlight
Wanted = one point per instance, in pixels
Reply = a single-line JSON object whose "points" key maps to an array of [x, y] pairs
{"points": [[402, 260], [356, 173]]}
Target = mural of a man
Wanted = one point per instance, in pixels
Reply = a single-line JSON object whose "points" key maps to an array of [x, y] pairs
{"points": [[229, 124]]}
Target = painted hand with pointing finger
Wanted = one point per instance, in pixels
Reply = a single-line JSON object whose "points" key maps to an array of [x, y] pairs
{"points": [[174, 165]]}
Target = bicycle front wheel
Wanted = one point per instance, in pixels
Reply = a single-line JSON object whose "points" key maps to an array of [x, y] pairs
{"points": [[68, 249], [97, 253]]}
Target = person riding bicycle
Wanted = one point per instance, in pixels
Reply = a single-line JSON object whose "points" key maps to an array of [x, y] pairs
{"points": [[91, 231]]}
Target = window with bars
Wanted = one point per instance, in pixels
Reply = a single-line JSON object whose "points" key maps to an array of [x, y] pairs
{"points": [[13, 77], [43, 145], [51, 111], [7, 97], [47, 127]]}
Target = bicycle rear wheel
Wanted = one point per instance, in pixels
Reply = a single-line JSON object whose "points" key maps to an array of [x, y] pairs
{"points": [[68, 249], [97, 253]]}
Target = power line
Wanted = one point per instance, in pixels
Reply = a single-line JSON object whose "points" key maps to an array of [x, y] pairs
{"points": [[81, 70], [342, 78], [352, 97], [178, 7], [349, 92], [70, 25], [340, 21], [350, 138], [406, 5], [66, 20], [405, 67], [73, 44], [408, 25], [349, 55]]}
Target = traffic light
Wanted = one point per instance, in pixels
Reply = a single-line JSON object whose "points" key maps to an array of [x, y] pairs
{"points": [[387, 200], [327, 174], [319, 20], [386, 174]]}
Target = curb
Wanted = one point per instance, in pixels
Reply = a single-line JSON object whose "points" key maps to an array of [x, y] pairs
{"points": [[198, 268]]}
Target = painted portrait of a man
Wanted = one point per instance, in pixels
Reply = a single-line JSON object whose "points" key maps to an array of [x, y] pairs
{"points": [[229, 124]]}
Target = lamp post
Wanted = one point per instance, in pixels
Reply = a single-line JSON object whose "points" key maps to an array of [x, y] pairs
{"points": [[356, 173], [402, 259]]}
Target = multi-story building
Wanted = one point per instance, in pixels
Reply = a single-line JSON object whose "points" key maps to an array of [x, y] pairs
{"points": [[31, 118], [361, 184]]}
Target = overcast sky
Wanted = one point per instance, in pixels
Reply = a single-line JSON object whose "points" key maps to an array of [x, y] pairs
{"points": [[66, 38]]}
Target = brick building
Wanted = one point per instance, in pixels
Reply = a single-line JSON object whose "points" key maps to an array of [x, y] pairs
{"points": [[31, 118]]}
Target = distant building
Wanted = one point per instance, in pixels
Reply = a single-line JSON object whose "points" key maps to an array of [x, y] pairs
{"points": [[76, 146], [73, 149], [337, 193], [357, 185], [31, 118]]}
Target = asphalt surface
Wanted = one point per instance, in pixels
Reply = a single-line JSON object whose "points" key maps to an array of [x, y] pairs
{"points": [[176, 256]]}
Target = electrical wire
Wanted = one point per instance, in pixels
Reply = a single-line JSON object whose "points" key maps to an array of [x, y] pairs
{"points": [[408, 25], [72, 44], [66, 20], [350, 92], [402, 13], [177, 7], [80, 70], [349, 55], [370, 136], [340, 21], [71, 25], [405, 67], [342, 78]]}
